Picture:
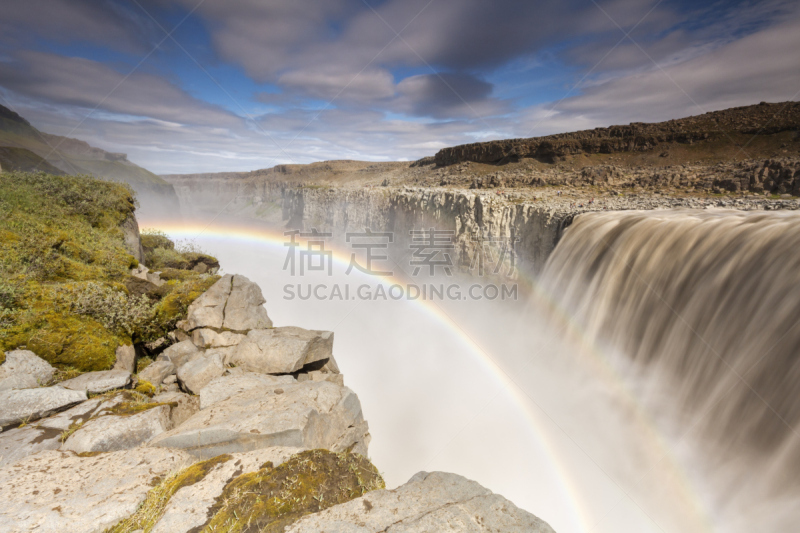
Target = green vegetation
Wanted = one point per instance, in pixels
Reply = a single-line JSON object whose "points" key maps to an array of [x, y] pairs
{"points": [[66, 291], [267, 500], [161, 253], [272, 498], [154, 505]]}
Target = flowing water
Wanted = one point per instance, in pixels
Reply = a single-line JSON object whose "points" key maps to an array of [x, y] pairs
{"points": [[646, 382], [707, 307]]}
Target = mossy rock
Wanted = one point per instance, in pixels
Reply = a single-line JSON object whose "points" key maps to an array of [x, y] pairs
{"points": [[272, 498], [155, 503]]}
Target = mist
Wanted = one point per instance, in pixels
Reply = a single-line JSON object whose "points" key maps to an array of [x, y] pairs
{"points": [[498, 391]]}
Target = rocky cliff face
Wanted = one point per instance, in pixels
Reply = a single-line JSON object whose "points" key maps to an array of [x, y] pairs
{"points": [[762, 119], [238, 427]]}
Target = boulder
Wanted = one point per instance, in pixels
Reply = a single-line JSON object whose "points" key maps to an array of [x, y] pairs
{"points": [[244, 309], [303, 415], [282, 350], [207, 311], [178, 354], [208, 338], [429, 502], [183, 406], [32, 404], [26, 363], [18, 381], [126, 358], [188, 508], [111, 433], [318, 375], [157, 371], [198, 372], [102, 381], [54, 491], [233, 383], [19, 443]]}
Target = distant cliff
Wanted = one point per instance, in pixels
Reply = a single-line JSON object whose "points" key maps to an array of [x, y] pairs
{"points": [[763, 119]]}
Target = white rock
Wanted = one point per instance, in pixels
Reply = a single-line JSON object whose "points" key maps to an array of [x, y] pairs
{"points": [[45, 434], [18, 381], [179, 353], [208, 338], [318, 375], [110, 433], [198, 372], [25, 362], [183, 406], [303, 415], [435, 502], [102, 381], [32, 404], [157, 371], [188, 507], [244, 309], [126, 358], [224, 387], [207, 311], [282, 350], [54, 492]]}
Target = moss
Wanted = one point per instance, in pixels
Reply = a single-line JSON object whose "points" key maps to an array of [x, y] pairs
{"points": [[143, 363], [155, 503], [50, 259], [75, 426], [146, 388], [174, 305], [272, 498]]}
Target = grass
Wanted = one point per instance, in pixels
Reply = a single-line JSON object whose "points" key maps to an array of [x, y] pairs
{"points": [[154, 505], [272, 498], [64, 269]]}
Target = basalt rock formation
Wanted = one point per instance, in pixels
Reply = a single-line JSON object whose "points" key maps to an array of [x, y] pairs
{"points": [[762, 119]]}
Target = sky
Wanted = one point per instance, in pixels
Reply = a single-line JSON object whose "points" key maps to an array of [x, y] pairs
{"points": [[185, 86]]}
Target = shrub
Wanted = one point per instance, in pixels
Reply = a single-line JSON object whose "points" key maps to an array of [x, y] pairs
{"points": [[113, 308]]}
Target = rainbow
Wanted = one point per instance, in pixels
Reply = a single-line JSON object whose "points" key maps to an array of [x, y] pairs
{"points": [[536, 417]]}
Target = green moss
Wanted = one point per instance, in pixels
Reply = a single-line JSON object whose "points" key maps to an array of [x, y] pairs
{"points": [[65, 286], [152, 509], [174, 305], [146, 388], [272, 498]]}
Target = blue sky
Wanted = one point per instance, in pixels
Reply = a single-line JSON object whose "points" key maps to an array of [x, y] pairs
{"points": [[221, 85]]}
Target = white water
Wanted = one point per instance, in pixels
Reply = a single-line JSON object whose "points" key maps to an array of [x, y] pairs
{"points": [[550, 428]]}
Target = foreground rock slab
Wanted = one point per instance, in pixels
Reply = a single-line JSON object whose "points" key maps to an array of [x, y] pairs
{"points": [[32, 404], [180, 353], [25, 366], [46, 434], [102, 381], [109, 433], [198, 372], [207, 311], [429, 502], [282, 350], [188, 508], [302, 415], [244, 309], [56, 491], [236, 382]]}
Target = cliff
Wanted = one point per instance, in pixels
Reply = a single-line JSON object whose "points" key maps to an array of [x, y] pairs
{"points": [[707, 130], [212, 420]]}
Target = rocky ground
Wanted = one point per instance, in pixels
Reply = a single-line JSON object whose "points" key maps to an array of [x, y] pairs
{"points": [[235, 426]]}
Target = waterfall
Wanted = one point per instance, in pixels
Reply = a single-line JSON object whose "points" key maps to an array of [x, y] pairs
{"points": [[708, 301]]}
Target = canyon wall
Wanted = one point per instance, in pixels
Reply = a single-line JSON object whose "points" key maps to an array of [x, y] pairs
{"points": [[490, 235]]}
